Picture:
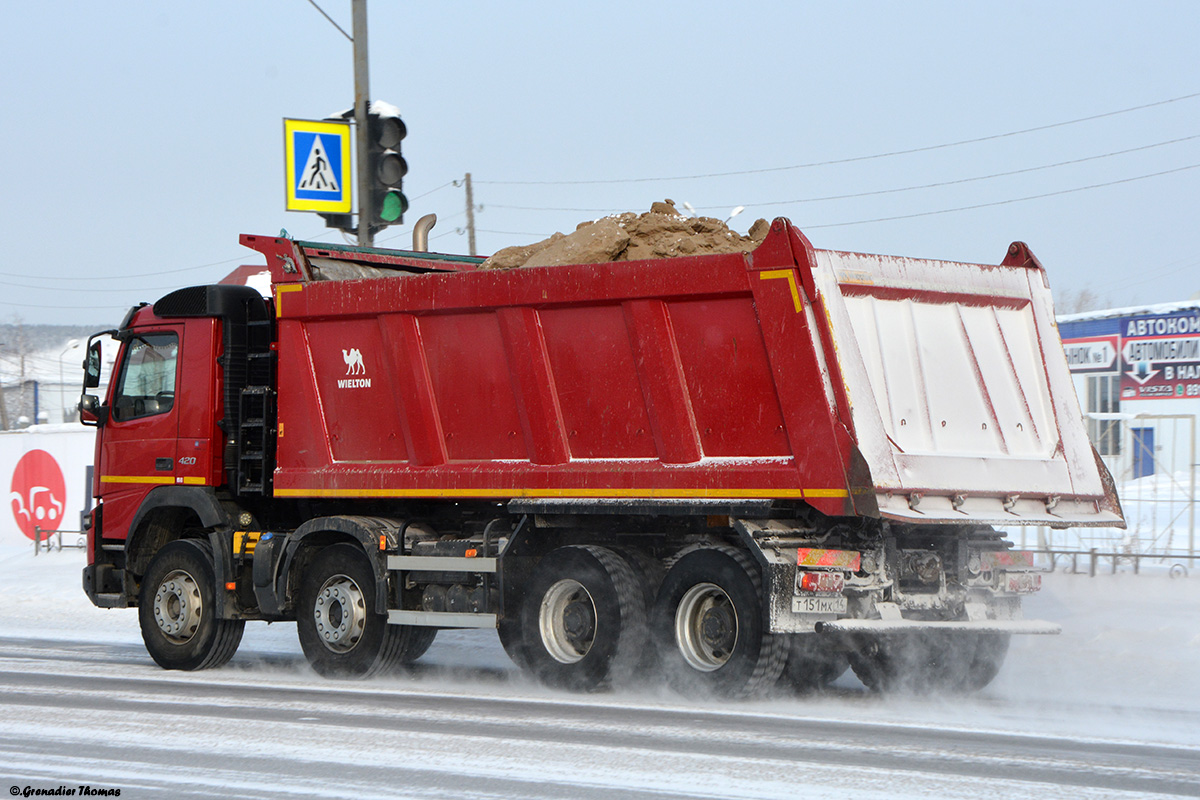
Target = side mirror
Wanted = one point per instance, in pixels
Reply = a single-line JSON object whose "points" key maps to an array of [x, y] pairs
{"points": [[91, 368], [91, 412]]}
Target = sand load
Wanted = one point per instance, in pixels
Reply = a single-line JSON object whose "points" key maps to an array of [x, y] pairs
{"points": [[661, 232]]}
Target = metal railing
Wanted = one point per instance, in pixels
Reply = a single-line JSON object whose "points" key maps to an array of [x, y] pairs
{"points": [[1153, 461], [1176, 565], [47, 540]]}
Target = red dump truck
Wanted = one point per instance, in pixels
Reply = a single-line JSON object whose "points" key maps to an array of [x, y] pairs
{"points": [[725, 469]]}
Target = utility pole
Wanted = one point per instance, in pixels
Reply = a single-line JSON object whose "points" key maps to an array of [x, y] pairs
{"points": [[3, 407], [362, 94], [470, 216], [21, 343], [3, 394]]}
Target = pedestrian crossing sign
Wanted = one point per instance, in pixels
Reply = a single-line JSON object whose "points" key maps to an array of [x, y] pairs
{"points": [[317, 163]]}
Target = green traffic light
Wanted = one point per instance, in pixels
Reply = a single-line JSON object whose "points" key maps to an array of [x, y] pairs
{"points": [[394, 206]]}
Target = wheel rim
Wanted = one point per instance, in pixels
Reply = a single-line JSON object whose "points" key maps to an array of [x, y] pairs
{"points": [[706, 627], [340, 613], [178, 607], [567, 621]]}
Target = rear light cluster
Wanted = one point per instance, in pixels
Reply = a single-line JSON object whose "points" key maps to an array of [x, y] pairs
{"points": [[1007, 559], [1012, 571], [820, 582], [848, 560], [820, 571], [1023, 582]]}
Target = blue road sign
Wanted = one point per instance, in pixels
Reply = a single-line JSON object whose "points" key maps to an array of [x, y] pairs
{"points": [[317, 162]]}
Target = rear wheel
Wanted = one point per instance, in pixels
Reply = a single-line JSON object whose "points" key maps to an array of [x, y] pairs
{"points": [[876, 662], [709, 627], [341, 633], [177, 610], [813, 662], [915, 662], [987, 654], [928, 661], [583, 621]]}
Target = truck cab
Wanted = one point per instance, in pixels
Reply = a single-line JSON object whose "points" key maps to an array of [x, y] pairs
{"points": [[171, 426]]}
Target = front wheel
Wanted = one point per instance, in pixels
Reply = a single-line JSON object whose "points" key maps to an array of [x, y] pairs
{"points": [[177, 610], [709, 627], [341, 633]]}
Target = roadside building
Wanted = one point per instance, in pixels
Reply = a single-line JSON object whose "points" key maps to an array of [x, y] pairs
{"points": [[1137, 373]]}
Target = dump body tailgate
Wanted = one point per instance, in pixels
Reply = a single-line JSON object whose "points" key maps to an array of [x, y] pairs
{"points": [[958, 390]]}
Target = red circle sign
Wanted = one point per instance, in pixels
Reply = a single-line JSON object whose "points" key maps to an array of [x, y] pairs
{"points": [[39, 495]]}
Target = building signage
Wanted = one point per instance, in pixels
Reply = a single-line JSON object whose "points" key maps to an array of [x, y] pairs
{"points": [[38, 493], [1092, 354], [1156, 355]]}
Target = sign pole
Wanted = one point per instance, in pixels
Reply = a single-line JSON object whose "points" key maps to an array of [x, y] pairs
{"points": [[362, 93]]}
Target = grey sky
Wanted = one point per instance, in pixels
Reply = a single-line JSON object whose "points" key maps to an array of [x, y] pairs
{"points": [[140, 138]]}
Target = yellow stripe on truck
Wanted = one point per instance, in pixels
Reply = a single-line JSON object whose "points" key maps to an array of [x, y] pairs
{"points": [[155, 479], [650, 493], [137, 478]]}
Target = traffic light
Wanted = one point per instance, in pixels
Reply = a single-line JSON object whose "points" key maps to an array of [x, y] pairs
{"points": [[387, 168]]}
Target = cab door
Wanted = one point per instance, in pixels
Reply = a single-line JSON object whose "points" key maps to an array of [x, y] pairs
{"points": [[140, 436]]}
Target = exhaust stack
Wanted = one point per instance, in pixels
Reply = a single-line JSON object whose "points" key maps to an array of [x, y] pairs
{"points": [[421, 233]]}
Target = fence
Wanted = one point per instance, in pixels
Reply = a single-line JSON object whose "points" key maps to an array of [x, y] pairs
{"points": [[47, 540], [1093, 561], [1152, 458]]}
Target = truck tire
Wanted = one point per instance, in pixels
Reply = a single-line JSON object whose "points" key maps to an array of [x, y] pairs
{"points": [[416, 642], [709, 629], [920, 662], [813, 662], [177, 610], [928, 662], [881, 662], [583, 621], [512, 639], [650, 572], [987, 657], [340, 632]]}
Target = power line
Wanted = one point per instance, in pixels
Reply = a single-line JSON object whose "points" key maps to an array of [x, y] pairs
{"points": [[331, 22], [972, 179], [853, 159], [91, 290], [438, 189], [238, 259], [441, 218], [1004, 202], [56, 306], [136, 274], [512, 233], [877, 192], [1178, 265]]}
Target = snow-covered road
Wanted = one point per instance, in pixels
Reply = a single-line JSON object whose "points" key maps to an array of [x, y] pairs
{"points": [[1110, 709]]}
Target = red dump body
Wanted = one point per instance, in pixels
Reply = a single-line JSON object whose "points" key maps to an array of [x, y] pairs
{"points": [[863, 385]]}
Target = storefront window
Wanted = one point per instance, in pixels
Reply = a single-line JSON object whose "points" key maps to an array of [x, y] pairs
{"points": [[1103, 396]]}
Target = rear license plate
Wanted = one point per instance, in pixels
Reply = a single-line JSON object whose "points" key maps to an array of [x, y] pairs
{"points": [[819, 605]]}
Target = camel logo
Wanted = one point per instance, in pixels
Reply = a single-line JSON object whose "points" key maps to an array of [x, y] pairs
{"points": [[38, 493], [354, 366], [354, 362]]}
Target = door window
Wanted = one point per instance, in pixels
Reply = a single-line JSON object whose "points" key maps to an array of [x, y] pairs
{"points": [[147, 382]]}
